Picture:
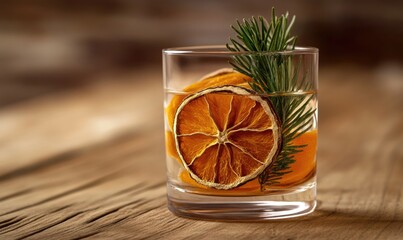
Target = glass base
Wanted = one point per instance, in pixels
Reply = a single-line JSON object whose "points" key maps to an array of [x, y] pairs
{"points": [[298, 202]]}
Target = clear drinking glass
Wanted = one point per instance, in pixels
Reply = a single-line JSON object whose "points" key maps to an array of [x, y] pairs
{"points": [[233, 150]]}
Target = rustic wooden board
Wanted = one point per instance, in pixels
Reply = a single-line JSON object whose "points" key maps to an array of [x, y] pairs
{"points": [[89, 164]]}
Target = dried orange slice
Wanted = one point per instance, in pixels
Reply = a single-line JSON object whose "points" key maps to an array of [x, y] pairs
{"points": [[225, 136]]}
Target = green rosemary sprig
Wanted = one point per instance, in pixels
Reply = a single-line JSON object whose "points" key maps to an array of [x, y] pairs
{"points": [[274, 74]]}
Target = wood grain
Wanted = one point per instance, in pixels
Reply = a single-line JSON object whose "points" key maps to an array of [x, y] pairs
{"points": [[89, 164]]}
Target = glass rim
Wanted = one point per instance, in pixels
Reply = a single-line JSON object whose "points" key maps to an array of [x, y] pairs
{"points": [[222, 50]]}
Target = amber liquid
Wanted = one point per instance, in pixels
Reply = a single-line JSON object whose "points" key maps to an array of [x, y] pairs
{"points": [[300, 172]]}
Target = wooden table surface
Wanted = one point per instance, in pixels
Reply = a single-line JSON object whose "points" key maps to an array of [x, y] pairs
{"points": [[89, 163]]}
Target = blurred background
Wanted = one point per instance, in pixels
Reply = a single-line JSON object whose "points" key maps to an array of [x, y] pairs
{"points": [[81, 111], [48, 46]]}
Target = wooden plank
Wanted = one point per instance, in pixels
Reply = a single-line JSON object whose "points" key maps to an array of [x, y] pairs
{"points": [[40, 129], [113, 185]]}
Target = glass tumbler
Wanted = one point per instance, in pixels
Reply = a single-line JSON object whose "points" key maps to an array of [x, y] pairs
{"points": [[241, 132]]}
